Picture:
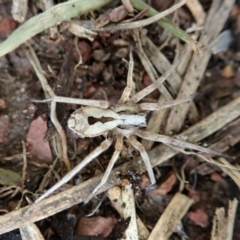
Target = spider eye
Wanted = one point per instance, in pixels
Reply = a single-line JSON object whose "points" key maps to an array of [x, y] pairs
{"points": [[71, 123]]}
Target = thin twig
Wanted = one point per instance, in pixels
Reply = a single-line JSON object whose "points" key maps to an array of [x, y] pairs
{"points": [[53, 30], [24, 169], [19, 10], [129, 211], [115, 196], [171, 217], [223, 225], [197, 11], [33, 59]]}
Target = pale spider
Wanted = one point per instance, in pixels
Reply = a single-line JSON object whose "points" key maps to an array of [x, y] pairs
{"points": [[126, 119]]}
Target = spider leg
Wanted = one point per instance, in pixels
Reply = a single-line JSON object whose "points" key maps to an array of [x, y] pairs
{"points": [[127, 91], [143, 93], [175, 142], [137, 145], [160, 106], [96, 152], [85, 102], [118, 149]]}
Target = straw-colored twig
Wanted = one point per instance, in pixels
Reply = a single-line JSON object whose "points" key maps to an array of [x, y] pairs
{"points": [[24, 169], [53, 30], [19, 10], [197, 11], [233, 173], [115, 196], [31, 232], [33, 59], [223, 225], [171, 217], [129, 211]]}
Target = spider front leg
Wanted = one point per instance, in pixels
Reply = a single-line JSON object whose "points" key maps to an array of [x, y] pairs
{"points": [[175, 142], [137, 145], [118, 149], [100, 149], [85, 102]]}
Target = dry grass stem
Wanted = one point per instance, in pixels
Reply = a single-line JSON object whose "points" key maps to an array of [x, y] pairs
{"points": [[200, 16], [127, 4], [19, 10], [24, 169], [223, 225], [197, 11], [33, 59], [53, 30], [233, 173], [129, 210], [171, 217], [31, 232], [80, 31], [115, 196]]}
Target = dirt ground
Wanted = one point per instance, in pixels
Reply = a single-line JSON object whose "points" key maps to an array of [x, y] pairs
{"points": [[25, 126]]}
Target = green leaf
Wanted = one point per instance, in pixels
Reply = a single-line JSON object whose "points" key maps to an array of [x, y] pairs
{"points": [[9, 178]]}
